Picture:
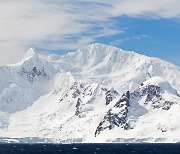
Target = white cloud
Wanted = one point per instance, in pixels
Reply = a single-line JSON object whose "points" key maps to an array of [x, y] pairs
{"points": [[68, 24], [145, 8], [62, 23], [120, 41], [11, 52]]}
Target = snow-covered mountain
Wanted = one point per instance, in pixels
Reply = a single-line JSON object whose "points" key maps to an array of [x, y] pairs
{"points": [[22, 83], [97, 94]]}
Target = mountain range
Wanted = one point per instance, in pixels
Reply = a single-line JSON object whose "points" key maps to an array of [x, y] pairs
{"points": [[98, 94]]}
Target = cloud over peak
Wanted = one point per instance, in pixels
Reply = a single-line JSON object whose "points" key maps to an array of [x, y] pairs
{"points": [[67, 24]]}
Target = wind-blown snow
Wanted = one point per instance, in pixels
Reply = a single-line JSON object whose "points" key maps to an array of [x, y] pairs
{"points": [[97, 94]]}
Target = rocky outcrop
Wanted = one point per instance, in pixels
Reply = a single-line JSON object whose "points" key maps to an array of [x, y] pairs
{"points": [[110, 95], [116, 116], [153, 96], [30, 75], [78, 105]]}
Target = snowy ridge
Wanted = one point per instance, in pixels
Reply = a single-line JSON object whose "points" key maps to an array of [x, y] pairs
{"points": [[30, 54], [109, 65], [97, 94]]}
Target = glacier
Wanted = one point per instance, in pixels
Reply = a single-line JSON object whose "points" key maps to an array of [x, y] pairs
{"points": [[97, 94]]}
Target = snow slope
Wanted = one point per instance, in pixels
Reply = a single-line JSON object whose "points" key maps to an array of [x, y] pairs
{"points": [[96, 94], [109, 65]]}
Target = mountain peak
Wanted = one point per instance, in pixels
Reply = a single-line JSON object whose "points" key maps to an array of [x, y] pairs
{"points": [[99, 59], [98, 48], [99, 45], [30, 53]]}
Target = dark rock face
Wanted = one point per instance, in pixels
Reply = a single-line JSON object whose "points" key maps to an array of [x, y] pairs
{"points": [[151, 91], [77, 92], [78, 104], [116, 116], [167, 105], [80, 89], [110, 95], [30, 75], [153, 96]]}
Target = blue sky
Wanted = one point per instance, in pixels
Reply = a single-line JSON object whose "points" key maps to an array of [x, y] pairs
{"points": [[157, 38], [150, 27]]}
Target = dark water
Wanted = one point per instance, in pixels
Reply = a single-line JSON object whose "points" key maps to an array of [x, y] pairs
{"points": [[90, 148]]}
